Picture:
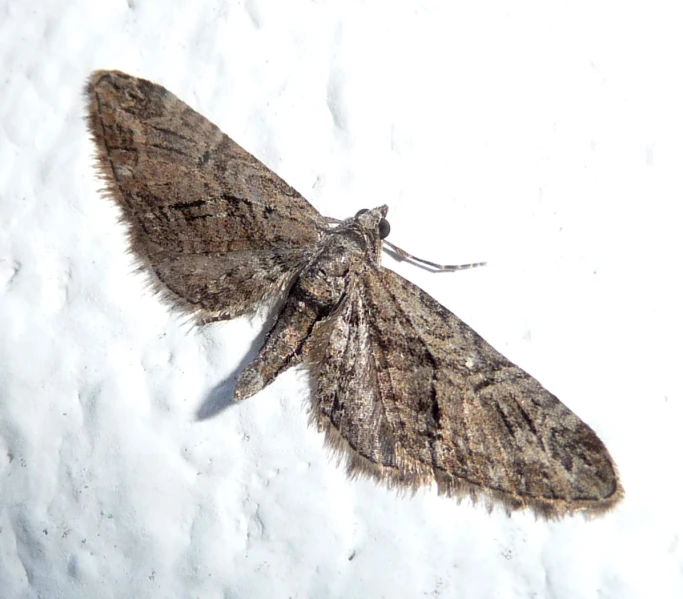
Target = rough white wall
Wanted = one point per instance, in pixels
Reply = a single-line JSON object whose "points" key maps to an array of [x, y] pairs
{"points": [[542, 137]]}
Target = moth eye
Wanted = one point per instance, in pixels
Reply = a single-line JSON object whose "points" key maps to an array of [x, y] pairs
{"points": [[384, 228], [361, 211]]}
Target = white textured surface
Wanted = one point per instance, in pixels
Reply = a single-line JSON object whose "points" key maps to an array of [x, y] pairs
{"points": [[545, 138]]}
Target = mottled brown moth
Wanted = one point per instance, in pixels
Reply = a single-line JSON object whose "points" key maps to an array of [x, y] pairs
{"points": [[403, 389]]}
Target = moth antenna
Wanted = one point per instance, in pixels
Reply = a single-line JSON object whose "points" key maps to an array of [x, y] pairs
{"points": [[445, 267]]}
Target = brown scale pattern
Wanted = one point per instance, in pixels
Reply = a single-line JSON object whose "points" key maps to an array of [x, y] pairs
{"points": [[404, 391]]}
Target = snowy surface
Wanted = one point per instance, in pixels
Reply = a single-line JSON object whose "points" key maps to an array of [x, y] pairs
{"points": [[544, 138]]}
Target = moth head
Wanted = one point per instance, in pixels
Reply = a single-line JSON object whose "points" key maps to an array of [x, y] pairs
{"points": [[374, 219]]}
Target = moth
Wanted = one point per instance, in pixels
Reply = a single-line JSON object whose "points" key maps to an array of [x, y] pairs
{"points": [[404, 391]]}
